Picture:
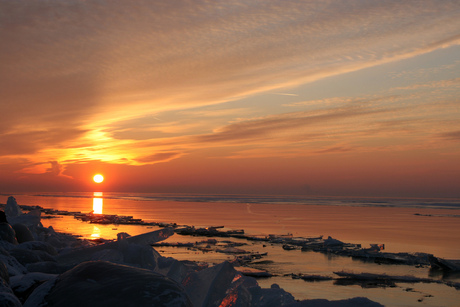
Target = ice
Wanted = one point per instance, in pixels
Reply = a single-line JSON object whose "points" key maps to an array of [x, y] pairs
{"points": [[101, 283], [352, 302], [12, 208], [9, 299], [208, 287], [7, 233], [12, 264], [127, 247], [24, 284], [23, 233], [130, 272]]}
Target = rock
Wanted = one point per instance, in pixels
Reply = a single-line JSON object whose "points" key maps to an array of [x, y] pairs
{"points": [[100, 283]]}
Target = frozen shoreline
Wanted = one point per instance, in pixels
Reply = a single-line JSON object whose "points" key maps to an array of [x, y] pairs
{"points": [[355, 279], [61, 262]]}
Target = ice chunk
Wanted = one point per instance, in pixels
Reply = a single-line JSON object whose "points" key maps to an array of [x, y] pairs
{"points": [[101, 283], [352, 302], [23, 285], [12, 265], [77, 256], [7, 233], [12, 208], [25, 256], [174, 269], [9, 299], [39, 245], [23, 233], [273, 297], [208, 287]]}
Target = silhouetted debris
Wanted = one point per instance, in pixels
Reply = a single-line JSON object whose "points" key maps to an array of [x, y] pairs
{"points": [[370, 280], [310, 277], [444, 264]]}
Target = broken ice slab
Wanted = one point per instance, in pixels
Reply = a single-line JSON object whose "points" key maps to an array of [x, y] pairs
{"points": [[247, 271], [310, 277], [444, 264], [77, 256], [100, 283], [384, 277], [232, 250]]}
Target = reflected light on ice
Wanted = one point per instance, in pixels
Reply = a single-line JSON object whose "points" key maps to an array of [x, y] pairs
{"points": [[97, 203], [96, 233]]}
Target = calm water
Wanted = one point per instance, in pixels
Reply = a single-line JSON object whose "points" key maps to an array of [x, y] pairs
{"points": [[403, 225]]}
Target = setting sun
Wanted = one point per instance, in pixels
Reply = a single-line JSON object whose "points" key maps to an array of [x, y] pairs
{"points": [[98, 178]]}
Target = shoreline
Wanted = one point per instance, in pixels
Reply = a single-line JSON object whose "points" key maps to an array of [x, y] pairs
{"points": [[276, 254], [65, 264]]}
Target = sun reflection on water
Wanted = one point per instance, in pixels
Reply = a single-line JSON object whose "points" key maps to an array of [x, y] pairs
{"points": [[97, 202], [96, 233]]}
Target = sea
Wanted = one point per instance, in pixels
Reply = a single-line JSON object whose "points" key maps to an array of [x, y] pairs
{"points": [[402, 225]]}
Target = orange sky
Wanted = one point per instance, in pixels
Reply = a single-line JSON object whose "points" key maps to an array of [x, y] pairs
{"points": [[345, 98]]}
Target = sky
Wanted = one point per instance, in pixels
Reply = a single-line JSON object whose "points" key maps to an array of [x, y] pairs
{"points": [[353, 98]]}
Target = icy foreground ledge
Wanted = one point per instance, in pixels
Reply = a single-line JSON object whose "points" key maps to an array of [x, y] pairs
{"points": [[54, 269]]}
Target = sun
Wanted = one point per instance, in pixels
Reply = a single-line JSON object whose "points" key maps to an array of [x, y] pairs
{"points": [[98, 178]]}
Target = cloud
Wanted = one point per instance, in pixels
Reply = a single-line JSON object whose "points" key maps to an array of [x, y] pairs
{"points": [[32, 141], [167, 55], [159, 157], [276, 125], [452, 135], [71, 70]]}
